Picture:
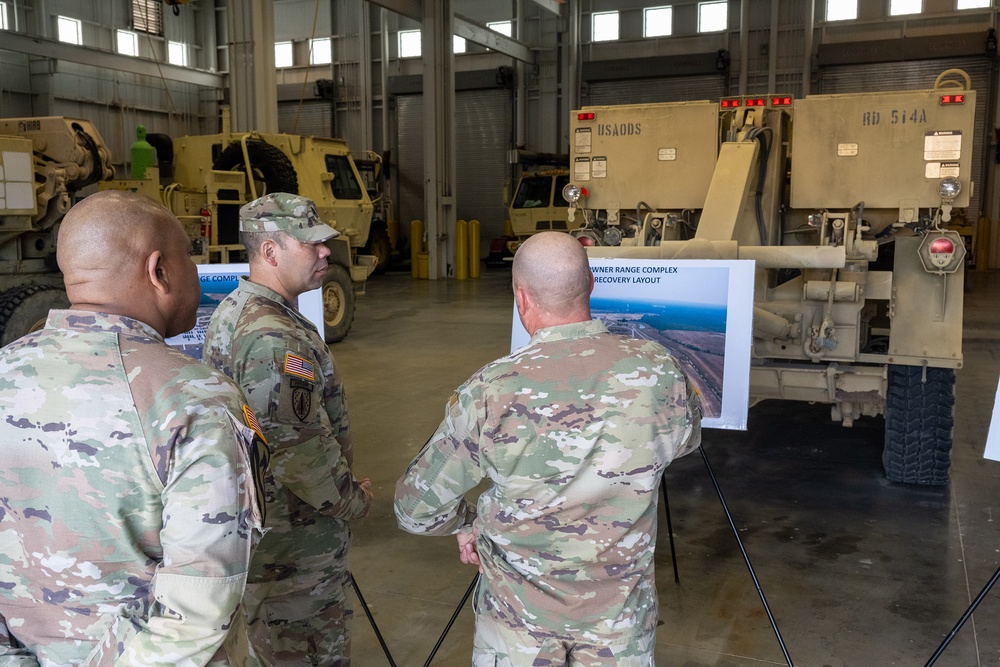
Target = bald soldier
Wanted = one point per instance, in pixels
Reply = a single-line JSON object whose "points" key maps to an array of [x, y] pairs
{"points": [[573, 431], [299, 582], [128, 505]]}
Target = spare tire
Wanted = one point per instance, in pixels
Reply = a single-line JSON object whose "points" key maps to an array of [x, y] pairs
{"points": [[23, 309], [271, 169]]}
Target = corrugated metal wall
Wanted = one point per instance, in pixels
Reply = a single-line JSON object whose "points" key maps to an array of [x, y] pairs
{"points": [[315, 119], [919, 75], [644, 91], [482, 138]]}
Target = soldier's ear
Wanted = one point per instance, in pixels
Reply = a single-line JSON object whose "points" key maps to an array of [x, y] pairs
{"points": [[156, 272], [268, 252]]}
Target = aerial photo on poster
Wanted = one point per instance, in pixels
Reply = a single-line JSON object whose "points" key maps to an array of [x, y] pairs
{"points": [[700, 310]]}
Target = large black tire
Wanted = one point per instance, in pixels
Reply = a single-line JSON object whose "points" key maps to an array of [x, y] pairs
{"points": [[23, 309], [272, 170], [338, 304], [380, 245], [919, 425]]}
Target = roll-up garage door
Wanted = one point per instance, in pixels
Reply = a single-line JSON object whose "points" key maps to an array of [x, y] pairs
{"points": [[315, 119], [482, 138], [644, 91], [919, 75]]}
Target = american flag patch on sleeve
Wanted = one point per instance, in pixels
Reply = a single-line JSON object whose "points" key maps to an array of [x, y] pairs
{"points": [[252, 422], [295, 365]]}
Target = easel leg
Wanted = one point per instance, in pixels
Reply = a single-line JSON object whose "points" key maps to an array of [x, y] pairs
{"points": [[461, 604], [965, 617], [670, 528], [371, 619]]}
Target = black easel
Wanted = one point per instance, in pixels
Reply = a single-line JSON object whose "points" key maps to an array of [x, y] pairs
{"points": [[965, 617], [472, 587], [371, 619]]}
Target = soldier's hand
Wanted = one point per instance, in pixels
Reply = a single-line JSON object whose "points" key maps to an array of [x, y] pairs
{"points": [[366, 488], [467, 547]]}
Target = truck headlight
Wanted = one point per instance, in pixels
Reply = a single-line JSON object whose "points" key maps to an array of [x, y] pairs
{"points": [[949, 188], [572, 192]]}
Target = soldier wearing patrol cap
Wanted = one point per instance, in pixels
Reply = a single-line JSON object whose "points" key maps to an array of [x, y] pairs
{"points": [[129, 506], [574, 431], [298, 584]]}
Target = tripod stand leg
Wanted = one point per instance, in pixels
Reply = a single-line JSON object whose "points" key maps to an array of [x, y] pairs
{"points": [[965, 617], [371, 619], [461, 604], [670, 529], [746, 557]]}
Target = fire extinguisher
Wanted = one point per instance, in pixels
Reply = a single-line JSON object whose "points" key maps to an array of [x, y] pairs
{"points": [[206, 225]]}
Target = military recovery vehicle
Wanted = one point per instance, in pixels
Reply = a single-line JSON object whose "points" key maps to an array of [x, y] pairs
{"points": [[204, 180], [843, 202]]}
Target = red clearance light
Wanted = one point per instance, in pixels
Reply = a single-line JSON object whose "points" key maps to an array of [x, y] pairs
{"points": [[586, 115], [953, 99], [942, 246], [585, 241], [781, 101], [729, 104], [756, 102], [583, 192]]}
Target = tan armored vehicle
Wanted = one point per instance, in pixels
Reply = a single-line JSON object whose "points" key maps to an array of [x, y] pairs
{"points": [[843, 201], [204, 180]]}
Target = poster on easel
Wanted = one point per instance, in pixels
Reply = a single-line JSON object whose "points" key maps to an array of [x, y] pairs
{"points": [[993, 436], [700, 310]]}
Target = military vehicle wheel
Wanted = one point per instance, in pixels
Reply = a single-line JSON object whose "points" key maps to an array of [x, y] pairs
{"points": [[919, 425], [272, 170], [24, 309], [338, 303], [379, 245]]}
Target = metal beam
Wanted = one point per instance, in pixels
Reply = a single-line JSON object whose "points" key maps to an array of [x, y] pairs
{"points": [[411, 9], [48, 48], [552, 5], [491, 39]]}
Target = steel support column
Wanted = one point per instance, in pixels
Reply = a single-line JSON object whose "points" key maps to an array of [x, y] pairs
{"points": [[439, 137], [253, 90]]}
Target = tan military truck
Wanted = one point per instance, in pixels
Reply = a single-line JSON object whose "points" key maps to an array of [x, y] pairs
{"points": [[843, 202], [204, 180]]}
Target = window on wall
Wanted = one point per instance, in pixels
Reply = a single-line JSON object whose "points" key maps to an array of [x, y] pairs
{"points": [[283, 54], [127, 43], [177, 53], [457, 44], [605, 26], [502, 27], [320, 51], [409, 43], [713, 16], [147, 16], [69, 30], [972, 4], [3, 16], [841, 10], [899, 7], [657, 21]]}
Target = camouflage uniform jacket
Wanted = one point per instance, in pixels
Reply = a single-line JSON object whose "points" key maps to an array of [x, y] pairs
{"points": [[288, 375], [128, 506], [574, 431]]}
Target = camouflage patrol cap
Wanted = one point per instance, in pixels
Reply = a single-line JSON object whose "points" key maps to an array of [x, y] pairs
{"points": [[283, 212]]}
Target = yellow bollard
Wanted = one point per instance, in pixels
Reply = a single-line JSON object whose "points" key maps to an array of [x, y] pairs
{"points": [[423, 259], [416, 246], [461, 250], [473, 242]]}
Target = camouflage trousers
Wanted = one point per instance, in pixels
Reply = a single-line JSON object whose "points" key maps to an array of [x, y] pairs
{"points": [[497, 645], [309, 628]]}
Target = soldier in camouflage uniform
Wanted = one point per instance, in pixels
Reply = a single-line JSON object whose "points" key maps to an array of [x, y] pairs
{"points": [[128, 506], [299, 582], [574, 431]]}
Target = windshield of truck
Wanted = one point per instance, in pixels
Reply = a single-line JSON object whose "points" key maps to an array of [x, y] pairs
{"points": [[345, 184], [557, 198], [533, 192]]}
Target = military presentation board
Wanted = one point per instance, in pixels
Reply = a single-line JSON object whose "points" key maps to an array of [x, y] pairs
{"points": [[700, 310], [993, 436]]}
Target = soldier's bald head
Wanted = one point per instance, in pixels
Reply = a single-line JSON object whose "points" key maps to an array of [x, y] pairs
{"points": [[552, 268], [115, 248]]}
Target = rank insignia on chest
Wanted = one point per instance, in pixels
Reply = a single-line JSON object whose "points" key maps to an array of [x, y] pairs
{"points": [[295, 365]]}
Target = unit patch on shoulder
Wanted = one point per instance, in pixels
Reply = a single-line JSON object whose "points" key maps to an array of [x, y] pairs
{"points": [[296, 365], [252, 422]]}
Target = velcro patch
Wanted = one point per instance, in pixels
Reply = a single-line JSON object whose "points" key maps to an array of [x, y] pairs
{"points": [[296, 365], [252, 422]]}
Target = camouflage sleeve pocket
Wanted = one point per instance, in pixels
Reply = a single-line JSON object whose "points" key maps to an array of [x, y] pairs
{"points": [[297, 398]]}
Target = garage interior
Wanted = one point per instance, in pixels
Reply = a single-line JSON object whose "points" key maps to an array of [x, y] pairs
{"points": [[856, 570]]}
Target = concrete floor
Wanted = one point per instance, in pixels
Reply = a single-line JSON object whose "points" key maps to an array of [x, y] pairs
{"points": [[857, 571]]}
